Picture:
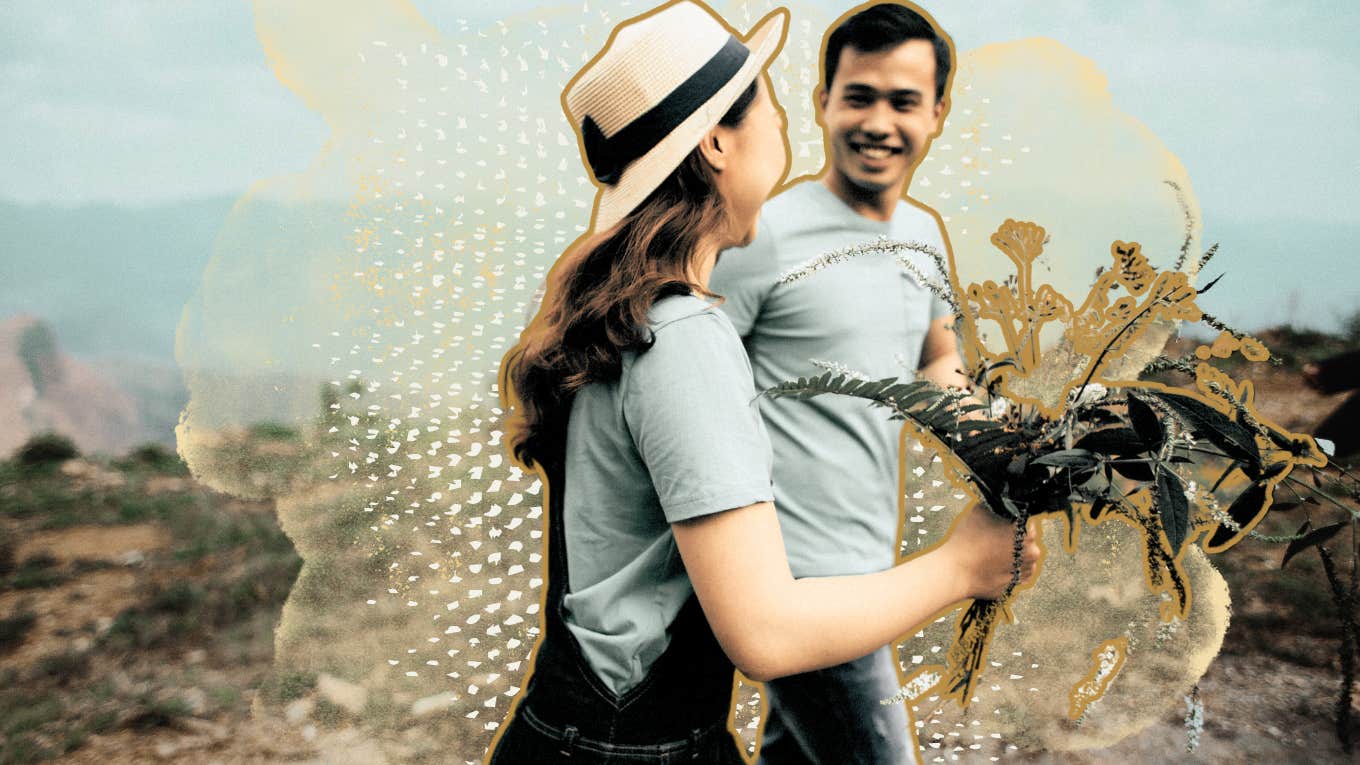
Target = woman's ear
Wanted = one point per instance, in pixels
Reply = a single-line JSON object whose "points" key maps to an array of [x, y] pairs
{"points": [[714, 147]]}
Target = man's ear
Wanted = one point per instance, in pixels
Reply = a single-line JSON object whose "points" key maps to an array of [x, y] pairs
{"points": [[822, 97], [715, 148], [936, 112]]}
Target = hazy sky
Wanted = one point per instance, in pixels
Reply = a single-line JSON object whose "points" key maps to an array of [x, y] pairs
{"points": [[139, 102]]}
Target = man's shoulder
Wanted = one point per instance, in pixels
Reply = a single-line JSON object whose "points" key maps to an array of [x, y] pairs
{"points": [[794, 202], [914, 219]]}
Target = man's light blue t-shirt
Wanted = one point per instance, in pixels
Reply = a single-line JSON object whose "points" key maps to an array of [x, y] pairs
{"points": [[676, 436], [835, 458]]}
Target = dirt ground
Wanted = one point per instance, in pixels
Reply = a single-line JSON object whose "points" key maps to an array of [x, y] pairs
{"points": [[139, 611]]}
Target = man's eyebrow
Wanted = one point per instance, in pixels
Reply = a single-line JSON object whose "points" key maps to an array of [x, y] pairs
{"points": [[861, 89]]}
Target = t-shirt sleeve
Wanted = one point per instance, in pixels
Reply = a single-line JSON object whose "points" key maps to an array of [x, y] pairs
{"points": [[689, 404], [744, 276]]}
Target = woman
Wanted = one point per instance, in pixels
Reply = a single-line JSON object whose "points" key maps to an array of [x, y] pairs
{"points": [[633, 396]]}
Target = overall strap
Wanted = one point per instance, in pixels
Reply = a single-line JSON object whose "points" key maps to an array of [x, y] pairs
{"points": [[688, 687], [554, 471]]}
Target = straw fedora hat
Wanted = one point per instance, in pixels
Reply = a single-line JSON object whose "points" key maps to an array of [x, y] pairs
{"points": [[662, 81]]}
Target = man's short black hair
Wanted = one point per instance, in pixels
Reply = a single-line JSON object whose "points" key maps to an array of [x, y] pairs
{"points": [[884, 26]]}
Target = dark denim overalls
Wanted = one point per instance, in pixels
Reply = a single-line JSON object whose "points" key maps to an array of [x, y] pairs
{"points": [[677, 714]]}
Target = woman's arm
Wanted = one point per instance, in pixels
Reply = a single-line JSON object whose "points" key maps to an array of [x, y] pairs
{"points": [[771, 624]]}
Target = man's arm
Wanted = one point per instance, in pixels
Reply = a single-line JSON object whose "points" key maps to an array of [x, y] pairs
{"points": [[940, 360]]}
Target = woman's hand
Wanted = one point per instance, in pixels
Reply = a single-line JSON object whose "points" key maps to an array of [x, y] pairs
{"points": [[981, 544]]}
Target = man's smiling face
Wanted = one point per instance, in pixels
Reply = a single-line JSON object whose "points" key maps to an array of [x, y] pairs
{"points": [[880, 114]]}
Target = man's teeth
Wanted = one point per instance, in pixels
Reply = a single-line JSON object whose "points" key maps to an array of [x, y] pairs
{"points": [[875, 152]]}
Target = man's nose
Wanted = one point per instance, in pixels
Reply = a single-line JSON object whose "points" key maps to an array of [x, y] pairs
{"points": [[877, 121]]}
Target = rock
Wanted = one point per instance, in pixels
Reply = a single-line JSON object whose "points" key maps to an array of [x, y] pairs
{"points": [[299, 710], [46, 389], [173, 750], [196, 700], [76, 468], [432, 704], [342, 693], [196, 656], [208, 728], [309, 732], [161, 484]]}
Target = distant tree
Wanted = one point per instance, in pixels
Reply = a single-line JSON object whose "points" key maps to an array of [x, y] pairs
{"points": [[46, 449], [272, 431], [1350, 329], [156, 456]]}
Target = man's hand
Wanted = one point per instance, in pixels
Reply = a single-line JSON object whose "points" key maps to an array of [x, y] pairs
{"points": [[982, 546]]}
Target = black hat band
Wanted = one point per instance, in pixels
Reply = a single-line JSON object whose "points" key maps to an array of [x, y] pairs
{"points": [[609, 156]]}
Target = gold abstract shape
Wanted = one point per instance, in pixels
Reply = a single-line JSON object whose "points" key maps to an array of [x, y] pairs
{"points": [[1131, 267], [1106, 661], [1056, 166], [1098, 333], [1254, 350], [1224, 345], [1022, 241], [1081, 594]]}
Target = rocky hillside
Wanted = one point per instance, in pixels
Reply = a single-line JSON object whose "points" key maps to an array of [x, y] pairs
{"points": [[43, 389]]}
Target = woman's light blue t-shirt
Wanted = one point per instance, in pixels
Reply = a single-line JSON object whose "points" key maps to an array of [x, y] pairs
{"points": [[677, 436]]}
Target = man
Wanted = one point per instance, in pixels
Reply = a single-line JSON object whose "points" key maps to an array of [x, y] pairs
{"points": [[882, 100]]}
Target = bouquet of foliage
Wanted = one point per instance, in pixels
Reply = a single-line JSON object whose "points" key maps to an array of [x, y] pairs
{"points": [[1072, 430]]}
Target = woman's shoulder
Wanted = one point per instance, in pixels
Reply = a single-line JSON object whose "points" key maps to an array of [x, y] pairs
{"points": [[688, 333], [676, 315], [693, 347]]}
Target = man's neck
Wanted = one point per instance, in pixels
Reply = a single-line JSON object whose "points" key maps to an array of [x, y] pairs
{"points": [[874, 205]]}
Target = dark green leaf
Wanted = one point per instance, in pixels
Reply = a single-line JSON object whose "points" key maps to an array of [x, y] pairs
{"points": [[888, 392], [1146, 423], [978, 426], [1274, 470], [1099, 416], [1098, 509], [1072, 521], [1095, 483], [1210, 285], [1134, 470], [1310, 539], [987, 440], [1069, 458], [1209, 423], [1299, 533], [1224, 477], [1283, 441], [1082, 475], [1009, 505], [1243, 511], [1112, 441], [1174, 509]]}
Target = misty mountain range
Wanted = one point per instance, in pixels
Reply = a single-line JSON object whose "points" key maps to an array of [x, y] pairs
{"points": [[111, 282]]}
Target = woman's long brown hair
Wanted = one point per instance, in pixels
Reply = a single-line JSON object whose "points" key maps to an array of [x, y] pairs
{"points": [[597, 300]]}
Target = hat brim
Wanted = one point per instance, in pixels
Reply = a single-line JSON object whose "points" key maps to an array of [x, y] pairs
{"points": [[645, 174]]}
